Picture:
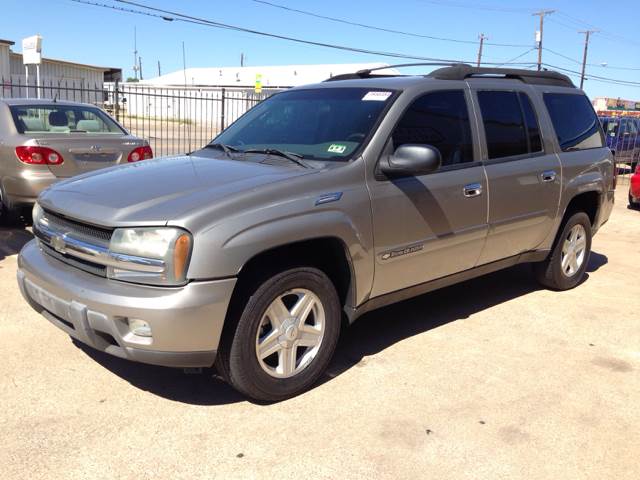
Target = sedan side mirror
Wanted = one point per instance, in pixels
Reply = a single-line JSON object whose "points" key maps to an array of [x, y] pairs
{"points": [[410, 159]]}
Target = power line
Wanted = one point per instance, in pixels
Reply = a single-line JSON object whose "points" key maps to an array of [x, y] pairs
{"points": [[476, 6], [573, 60], [518, 57], [382, 29], [169, 15], [176, 16], [615, 81]]}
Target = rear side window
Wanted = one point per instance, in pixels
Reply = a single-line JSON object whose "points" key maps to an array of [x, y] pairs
{"points": [[439, 119], [510, 124], [574, 121]]}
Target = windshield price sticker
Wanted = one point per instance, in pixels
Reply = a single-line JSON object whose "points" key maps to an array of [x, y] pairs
{"points": [[376, 96], [335, 148]]}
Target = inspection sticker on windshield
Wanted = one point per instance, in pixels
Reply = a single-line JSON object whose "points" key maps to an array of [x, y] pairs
{"points": [[376, 96], [335, 148]]}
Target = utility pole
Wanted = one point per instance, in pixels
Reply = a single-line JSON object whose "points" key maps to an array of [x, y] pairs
{"points": [[539, 33], [140, 66], [159, 73], [587, 33], [482, 39], [242, 59], [135, 53]]}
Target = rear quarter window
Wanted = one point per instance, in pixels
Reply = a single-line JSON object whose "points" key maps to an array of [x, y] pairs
{"points": [[574, 121]]}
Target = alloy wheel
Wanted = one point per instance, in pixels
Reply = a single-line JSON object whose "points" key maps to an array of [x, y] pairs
{"points": [[573, 250], [290, 333]]}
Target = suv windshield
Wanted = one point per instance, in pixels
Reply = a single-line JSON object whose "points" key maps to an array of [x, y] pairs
{"points": [[62, 119], [323, 123]]}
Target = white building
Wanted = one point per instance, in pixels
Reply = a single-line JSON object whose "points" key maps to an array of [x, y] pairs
{"points": [[70, 80], [273, 76]]}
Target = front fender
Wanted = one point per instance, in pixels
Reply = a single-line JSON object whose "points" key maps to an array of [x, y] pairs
{"points": [[223, 249]]}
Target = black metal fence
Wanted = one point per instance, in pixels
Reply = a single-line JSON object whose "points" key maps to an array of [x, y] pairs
{"points": [[173, 119]]}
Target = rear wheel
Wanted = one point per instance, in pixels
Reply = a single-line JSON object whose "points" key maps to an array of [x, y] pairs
{"points": [[285, 336], [565, 266]]}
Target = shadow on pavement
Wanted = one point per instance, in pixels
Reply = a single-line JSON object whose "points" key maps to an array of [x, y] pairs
{"points": [[372, 333], [379, 329], [13, 235], [170, 383]]}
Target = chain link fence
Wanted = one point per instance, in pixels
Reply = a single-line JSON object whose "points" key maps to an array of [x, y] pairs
{"points": [[173, 119]]}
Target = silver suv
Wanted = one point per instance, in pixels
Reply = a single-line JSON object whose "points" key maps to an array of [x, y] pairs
{"points": [[319, 204]]}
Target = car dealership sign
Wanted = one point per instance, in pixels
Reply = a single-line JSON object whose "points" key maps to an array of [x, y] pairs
{"points": [[32, 50]]}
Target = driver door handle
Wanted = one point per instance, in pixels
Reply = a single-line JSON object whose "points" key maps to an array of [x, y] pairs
{"points": [[472, 190], [548, 176]]}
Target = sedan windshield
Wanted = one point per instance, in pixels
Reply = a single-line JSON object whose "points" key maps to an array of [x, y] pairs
{"points": [[60, 118], [323, 123]]}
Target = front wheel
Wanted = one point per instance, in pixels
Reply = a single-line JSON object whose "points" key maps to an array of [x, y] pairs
{"points": [[285, 336], [564, 268]]}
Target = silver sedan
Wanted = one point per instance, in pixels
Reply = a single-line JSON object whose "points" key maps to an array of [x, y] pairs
{"points": [[43, 141]]}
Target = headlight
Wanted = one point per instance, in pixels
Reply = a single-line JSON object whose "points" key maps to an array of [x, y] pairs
{"points": [[157, 256], [37, 213]]}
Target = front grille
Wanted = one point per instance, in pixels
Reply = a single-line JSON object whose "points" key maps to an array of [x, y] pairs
{"points": [[77, 229], [88, 267]]}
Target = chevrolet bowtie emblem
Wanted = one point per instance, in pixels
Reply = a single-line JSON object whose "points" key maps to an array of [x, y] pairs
{"points": [[58, 243]]}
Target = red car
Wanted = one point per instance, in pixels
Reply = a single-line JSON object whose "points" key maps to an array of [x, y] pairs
{"points": [[634, 189]]}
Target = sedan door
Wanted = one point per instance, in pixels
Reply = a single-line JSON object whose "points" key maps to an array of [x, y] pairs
{"points": [[433, 225]]}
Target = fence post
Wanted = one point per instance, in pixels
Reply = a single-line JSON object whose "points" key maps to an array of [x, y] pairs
{"points": [[116, 100], [222, 111]]}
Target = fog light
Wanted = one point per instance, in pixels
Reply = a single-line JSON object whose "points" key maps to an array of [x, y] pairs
{"points": [[139, 327]]}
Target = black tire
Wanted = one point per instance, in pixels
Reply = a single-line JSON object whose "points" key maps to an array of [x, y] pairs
{"points": [[549, 272], [237, 361]]}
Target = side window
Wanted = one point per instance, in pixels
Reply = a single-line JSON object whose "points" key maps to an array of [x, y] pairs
{"points": [[574, 121], [440, 119], [504, 125]]}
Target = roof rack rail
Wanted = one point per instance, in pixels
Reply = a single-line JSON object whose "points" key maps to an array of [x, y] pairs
{"points": [[360, 74], [464, 71]]}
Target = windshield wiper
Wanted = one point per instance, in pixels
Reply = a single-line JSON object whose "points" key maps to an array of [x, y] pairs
{"points": [[292, 156], [227, 149]]}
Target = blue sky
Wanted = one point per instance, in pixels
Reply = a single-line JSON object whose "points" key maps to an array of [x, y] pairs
{"points": [[94, 35]]}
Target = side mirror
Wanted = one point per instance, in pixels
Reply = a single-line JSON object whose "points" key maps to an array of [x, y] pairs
{"points": [[412, 159]]}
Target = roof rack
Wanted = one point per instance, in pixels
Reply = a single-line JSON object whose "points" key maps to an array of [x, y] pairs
{"points": [[360, 74], [464, 71]]}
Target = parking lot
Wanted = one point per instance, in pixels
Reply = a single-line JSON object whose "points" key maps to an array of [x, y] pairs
{"points": [[493, 378]]}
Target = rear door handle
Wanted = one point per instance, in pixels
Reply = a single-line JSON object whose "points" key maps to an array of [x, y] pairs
{"points": [[472, 190], [548, 176]]}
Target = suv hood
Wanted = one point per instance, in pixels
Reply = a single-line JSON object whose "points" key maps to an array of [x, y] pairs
{"points": [[153, 192]]}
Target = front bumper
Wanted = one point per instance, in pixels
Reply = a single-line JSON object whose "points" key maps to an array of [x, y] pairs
{"points": [[186, 322]]}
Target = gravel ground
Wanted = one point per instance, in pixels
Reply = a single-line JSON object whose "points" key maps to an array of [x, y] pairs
{"points": [[494, 378]]}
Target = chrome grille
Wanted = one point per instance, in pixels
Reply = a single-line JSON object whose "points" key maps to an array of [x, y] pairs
{"points": [[83, 230], [84, 265]]}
